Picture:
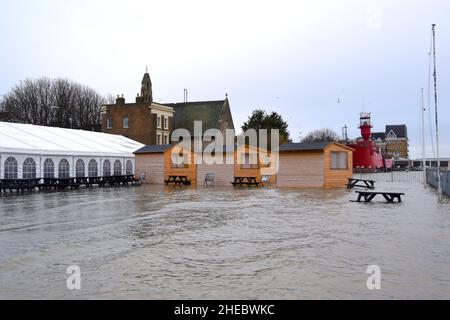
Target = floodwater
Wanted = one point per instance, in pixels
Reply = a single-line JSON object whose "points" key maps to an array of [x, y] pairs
{"points": [[154, 242]]}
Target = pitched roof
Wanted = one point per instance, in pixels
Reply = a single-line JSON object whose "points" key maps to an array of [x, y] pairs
{"points": [[376, 135], [310, 146], [32, 139], [399, 130], [209, 112], [153, 149]]}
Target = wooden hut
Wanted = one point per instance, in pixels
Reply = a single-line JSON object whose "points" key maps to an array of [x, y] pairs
{"points": [[157, 163], [253, 162], [314, 165], [223, 170]]}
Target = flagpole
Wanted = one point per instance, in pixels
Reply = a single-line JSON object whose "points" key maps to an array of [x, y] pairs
{"points": [[436, 111]]}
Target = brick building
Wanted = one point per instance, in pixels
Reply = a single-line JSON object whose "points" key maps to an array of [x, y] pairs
{"points": [[145, 121], [393, 142], [152, 123]]}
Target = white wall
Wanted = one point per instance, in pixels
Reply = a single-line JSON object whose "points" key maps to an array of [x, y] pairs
{"points": [[40, 159]]}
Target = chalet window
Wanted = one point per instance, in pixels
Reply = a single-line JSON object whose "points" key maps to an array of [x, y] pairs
{"points": [[106, 168], [93, 168], [125, 123], [79, 169], [49, 169], [181, 161], [339, 161], [158, 123], [64, 169], [109, 123], [249, 161], [117, 168], [166, 122], [129, 167], [11, 168], [29, 169]]}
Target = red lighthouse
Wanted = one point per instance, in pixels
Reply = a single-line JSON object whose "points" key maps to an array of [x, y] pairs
{"points": [[367, 155]]}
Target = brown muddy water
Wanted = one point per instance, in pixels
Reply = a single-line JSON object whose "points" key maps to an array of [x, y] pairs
{"points": [[154, 242]]}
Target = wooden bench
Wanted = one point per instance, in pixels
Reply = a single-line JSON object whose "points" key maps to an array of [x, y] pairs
{"points": [[368, 196], [352, 183], [177, 180], [245, 181]]}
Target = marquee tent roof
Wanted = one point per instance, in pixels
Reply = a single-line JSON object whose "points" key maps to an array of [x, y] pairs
{"points": [[17, 138]]}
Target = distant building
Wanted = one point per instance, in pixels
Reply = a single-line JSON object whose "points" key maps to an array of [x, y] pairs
{"points": [[394, 142], [152, 123], [431, 162], [144, 121]]}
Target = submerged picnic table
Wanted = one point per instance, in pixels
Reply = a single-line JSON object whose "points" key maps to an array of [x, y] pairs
{"points": [[19, 184], [245, 181], [368, 196], [352, 183], [178, 180]]}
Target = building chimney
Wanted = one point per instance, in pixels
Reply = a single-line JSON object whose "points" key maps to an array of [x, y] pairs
{"points": [[120, 100]]}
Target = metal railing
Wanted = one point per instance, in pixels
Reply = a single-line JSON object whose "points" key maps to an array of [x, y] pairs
{"points": [[393, 176], [432, 180]]}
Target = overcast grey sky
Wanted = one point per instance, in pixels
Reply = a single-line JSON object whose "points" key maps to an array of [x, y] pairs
{"points": [[297, 58]]}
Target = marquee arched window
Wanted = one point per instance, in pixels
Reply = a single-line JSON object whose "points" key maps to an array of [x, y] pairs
{"points": [[80, 169], [49, 169], [129, 167], [106, 168], [64, 169], [117, 168], [11, 168], [93, 168], [29, 169]]}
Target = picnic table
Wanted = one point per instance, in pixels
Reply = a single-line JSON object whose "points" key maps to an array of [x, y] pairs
{"points": [[368, 196], [177, 180], [19, 184], [362, 183], [245, 181]]}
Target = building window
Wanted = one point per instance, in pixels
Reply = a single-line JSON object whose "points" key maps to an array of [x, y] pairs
{"points": [[249, 161], [93, 168], [106, 168], [11, 168], [29, 169], [166, 122], [158, 139], [129, 167], [158, 123], [109, 123], [80, 169], [64, 169], [339, 160], [117, 168], [179, 160], [166, 139], [49, 169], [125, 122]]}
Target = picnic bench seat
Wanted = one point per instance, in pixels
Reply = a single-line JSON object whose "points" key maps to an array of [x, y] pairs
{"points": [[362, 183], [368, 196], [245, 181], [177, 180]]}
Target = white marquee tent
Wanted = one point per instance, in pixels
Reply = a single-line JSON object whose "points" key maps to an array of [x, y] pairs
{"points": [[29, 151]]}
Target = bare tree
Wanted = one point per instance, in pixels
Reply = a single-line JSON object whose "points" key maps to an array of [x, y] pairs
{"points": [[322, 135], [53, 102]]}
